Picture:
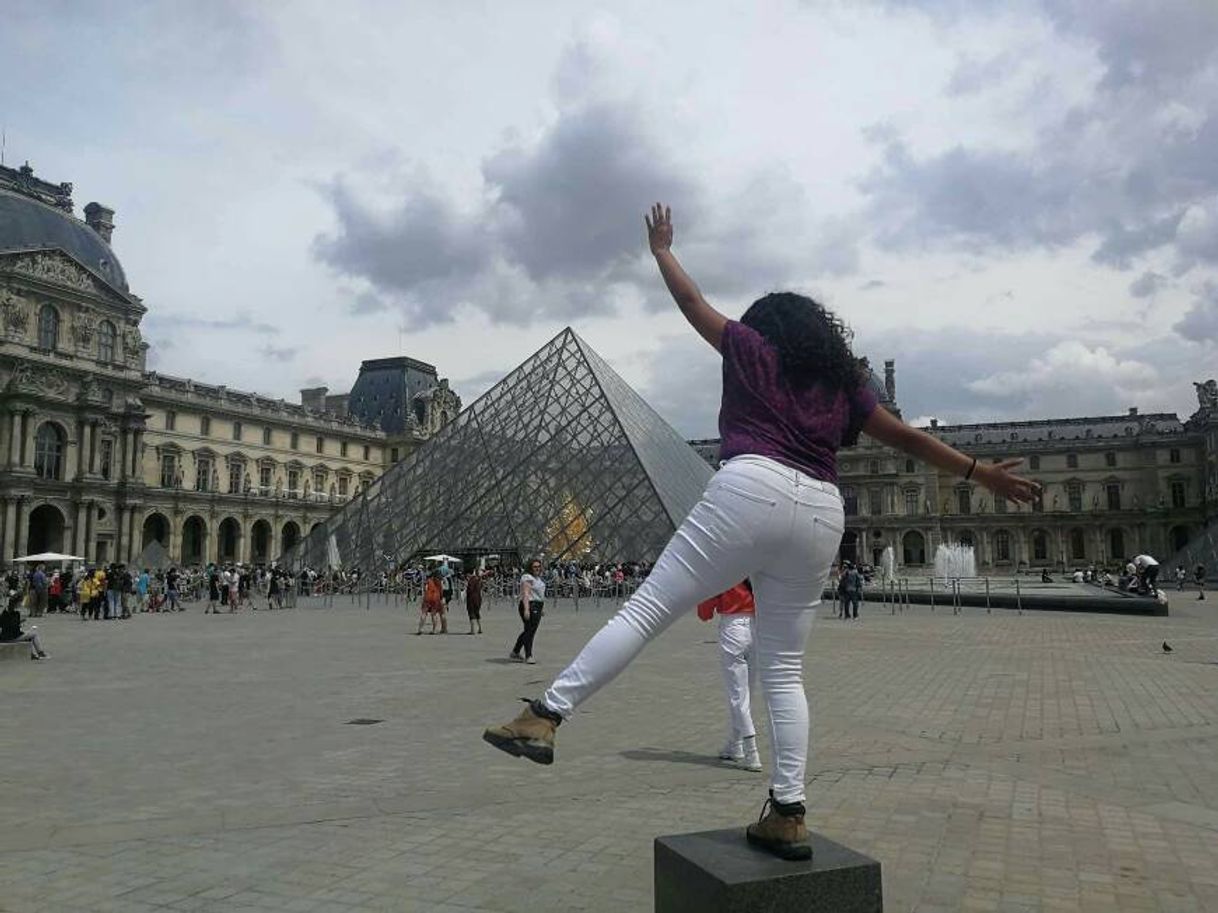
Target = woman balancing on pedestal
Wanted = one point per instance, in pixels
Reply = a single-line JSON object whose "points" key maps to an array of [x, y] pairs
{"points": [[793, 394]]}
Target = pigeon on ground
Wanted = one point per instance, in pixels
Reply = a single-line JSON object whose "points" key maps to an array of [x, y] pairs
{"points": [[1166, 647]]}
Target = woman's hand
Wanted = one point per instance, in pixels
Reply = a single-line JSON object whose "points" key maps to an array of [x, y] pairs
{"points": [[998, 478], [659, 228]]}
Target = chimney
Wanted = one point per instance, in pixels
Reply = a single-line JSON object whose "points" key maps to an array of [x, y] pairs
{"points": [[101, 219], [890, 380], [1133, 410], [314, 398]]}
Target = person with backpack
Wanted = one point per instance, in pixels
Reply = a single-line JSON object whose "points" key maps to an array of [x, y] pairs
{"points": [[850, 591]]}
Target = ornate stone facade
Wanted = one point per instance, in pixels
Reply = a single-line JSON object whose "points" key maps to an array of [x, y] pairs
{"points": [[100, 457]]}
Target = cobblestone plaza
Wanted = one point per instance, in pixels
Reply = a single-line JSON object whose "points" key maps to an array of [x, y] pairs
{"points": [[1043, 762]]}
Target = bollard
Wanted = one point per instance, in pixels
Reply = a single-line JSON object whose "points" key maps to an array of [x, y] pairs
{"points": [[1018, 597], [893, 601], [987, 595], [932, 593]]}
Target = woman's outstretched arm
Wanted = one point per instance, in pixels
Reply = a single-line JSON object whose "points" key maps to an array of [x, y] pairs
{"points": [[702, 317], [997, 477]]}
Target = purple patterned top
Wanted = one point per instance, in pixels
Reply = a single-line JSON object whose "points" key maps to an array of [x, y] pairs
{"points": [[763, 415]]}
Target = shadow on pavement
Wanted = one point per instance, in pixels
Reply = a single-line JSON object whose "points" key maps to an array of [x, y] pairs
{"points": [[673, 757]]}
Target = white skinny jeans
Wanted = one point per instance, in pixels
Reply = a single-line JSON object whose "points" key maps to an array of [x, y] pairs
{"points": [[735, 656], [757, 519]]}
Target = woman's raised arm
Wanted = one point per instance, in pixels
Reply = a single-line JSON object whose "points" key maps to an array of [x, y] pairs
{"points": [[702, 317]]}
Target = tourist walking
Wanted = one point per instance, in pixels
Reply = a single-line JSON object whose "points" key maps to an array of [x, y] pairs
{"points": [[531, 606], [432, 605], [793, 394], [1199, 577], [473, 601], [274, 599], [39, 592], [735, 609], [173, 579], [850, 588]]}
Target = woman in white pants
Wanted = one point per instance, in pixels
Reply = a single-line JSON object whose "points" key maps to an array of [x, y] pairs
{"points": [[793, 394], [735, 609]]}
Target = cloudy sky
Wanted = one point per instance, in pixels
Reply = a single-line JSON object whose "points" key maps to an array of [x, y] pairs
{"points": [[1017, 201]]}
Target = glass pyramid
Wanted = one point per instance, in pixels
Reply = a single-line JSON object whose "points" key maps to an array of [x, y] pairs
{"points": [[561, 459]]}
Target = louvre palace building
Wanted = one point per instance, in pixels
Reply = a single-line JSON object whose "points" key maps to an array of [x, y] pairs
{"points": [[101, 457]]}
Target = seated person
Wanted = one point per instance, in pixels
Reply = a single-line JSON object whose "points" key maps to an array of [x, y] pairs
{"points": [[10, 632], [1044, 576]]}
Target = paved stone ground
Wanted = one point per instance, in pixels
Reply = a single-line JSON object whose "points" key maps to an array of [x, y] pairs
{"points": [[1044, 762]]}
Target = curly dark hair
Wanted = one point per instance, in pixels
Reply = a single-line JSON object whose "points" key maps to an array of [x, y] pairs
{"points": [[813, 344]]}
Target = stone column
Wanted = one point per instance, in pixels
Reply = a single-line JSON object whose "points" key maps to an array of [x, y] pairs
{"points": [[120, 530], [245, 551], [22, 530], [213, 540], [133, 545], [27, 449], [123, 455], [90, 552], [137, 441], [78, 530], [175, 538], [14, 439], [82, 455], [92, 447], [10, 528], [275, 545]]}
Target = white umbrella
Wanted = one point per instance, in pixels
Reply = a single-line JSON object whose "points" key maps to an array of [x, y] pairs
{"points": [[47, 558], [443, 558]]}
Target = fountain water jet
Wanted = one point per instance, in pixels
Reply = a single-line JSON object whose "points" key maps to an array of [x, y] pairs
{"points": [[955, 561], [888, 564]]}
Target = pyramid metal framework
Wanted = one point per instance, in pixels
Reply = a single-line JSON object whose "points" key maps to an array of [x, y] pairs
{"points": [[560, 459]]}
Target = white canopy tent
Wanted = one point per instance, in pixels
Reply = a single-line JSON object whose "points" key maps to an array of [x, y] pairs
{"points": [[47, 558], [449, 558]]}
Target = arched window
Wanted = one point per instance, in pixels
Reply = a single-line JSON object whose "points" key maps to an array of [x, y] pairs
{"points": [[48, 452], [48, 327], [106, 336]]}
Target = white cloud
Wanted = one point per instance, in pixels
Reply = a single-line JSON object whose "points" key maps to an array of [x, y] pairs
{"points": [[1089, 379]]}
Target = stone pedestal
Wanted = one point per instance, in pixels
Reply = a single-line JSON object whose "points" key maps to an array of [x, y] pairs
{"points": [[718, 872]]}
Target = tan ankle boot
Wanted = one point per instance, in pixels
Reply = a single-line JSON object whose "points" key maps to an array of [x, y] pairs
{"points": [[530, 735], [781, 830]]}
